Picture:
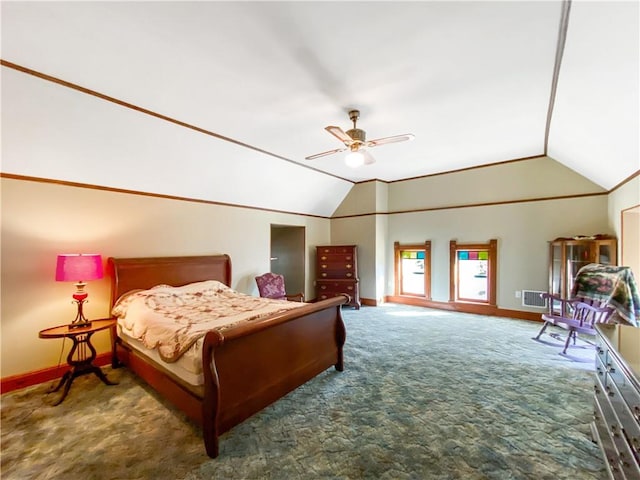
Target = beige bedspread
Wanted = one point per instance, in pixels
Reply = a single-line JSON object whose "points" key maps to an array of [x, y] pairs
{"points": [[171, 319]]}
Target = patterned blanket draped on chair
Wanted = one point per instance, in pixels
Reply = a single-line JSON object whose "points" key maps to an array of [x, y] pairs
{"points": [[612, 286]]}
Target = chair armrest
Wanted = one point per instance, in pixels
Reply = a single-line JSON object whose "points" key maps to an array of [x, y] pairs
{"points": [[557, 298], [551, 299]]}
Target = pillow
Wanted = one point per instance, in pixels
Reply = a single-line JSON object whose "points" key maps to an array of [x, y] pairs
{"points": [[121, 305]]}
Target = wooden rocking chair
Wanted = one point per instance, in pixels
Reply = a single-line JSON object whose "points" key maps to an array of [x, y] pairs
{"points": [[578, 315]]}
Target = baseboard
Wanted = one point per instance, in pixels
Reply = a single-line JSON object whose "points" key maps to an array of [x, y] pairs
{"points": [[16, 382], [478, 309], [364, 301], [33, 378], [465, 308]]}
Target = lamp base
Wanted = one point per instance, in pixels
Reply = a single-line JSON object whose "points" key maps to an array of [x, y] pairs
{"points": [[80, 321]]}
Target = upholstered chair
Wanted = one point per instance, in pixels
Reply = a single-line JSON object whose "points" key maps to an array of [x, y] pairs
{"points": [[271, 285]]}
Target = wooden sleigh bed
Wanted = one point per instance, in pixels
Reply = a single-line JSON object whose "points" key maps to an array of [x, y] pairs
{"points": [[246, 367]]}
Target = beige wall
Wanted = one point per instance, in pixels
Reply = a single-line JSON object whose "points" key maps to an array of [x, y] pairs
{"points": [[534, 178], [630, 240], [368, 230], [522, 231], [361, 200], [40, 220], [625, 197], [414, 211], [359, 231]]}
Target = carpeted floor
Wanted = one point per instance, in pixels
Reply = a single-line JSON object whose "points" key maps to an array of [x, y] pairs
{"points": [[425, 394]]}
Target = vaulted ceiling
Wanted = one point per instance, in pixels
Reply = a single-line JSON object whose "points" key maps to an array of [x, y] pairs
{"points": [[475, 82]]}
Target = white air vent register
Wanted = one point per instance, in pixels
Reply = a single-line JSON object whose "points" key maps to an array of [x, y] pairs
{"points": [[533, 298]]}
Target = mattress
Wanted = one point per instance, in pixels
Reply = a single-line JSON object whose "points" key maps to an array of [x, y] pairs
{"points": [[168, 324], [188, 367]]}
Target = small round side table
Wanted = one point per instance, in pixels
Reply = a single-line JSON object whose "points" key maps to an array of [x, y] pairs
{"points": [[82, 353]]}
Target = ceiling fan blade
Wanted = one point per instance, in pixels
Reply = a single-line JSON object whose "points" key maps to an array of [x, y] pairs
{"points": [[394, 139], [323, 154], [339, 134], [368, 158]]}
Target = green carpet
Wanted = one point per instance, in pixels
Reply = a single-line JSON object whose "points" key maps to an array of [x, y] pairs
{"points": [[425, 394]]}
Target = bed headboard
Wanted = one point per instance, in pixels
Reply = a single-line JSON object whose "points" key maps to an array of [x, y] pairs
{"points": [[133, 273]]}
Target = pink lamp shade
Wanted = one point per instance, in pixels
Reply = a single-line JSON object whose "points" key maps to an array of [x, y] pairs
{"points": [[79, 267]]}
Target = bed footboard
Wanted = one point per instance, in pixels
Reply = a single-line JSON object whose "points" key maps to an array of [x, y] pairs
{"points": [[249, 367]]}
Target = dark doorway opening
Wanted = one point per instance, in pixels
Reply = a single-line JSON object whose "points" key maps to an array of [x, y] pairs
{"points": [[288, 255]]}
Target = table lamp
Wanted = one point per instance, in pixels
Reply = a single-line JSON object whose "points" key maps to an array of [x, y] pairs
{"points": [[78, 268]]}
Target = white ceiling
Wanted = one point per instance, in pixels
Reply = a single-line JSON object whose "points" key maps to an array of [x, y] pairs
{"points": [[472, 80]]}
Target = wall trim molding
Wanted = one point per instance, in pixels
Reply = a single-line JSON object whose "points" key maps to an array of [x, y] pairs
{"points": [[453, 307], [560, 44], [87, 91], [370, 302], [458, 170], [102, 96], [65, 183], [625, 181], [474, 205], [24, 380], [465, 308]]}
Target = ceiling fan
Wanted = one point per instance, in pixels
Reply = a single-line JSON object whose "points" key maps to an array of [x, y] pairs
{"points": [[355, 141]]}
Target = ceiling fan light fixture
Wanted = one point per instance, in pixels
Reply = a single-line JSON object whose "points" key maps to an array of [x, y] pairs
{"points": [[356, 141], [354, 159]]}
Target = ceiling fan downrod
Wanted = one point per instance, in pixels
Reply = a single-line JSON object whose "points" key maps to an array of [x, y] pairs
{"points": [[359, 136]]}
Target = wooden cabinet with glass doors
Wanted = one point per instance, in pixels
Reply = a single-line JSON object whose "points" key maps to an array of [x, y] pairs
{"points": [[568, 255]]}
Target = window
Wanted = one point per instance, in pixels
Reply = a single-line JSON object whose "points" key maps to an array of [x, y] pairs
{"points": [[413, 269], [472, 274]]}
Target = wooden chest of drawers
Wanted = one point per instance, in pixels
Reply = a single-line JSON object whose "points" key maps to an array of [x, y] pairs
{"points": [[616, 425], [337, 272]]}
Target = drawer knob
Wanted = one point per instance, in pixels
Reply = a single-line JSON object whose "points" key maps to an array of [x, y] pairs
{"points": [[348, 257], [348, 265], [610, 368], [349, 287], [622, 460], [324, 274], [610, 392], [636, 412], [349, 274], [323, 258], [323, 287]]}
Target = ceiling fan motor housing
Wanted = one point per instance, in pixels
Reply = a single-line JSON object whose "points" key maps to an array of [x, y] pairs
{"points": [[357, 134]]}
